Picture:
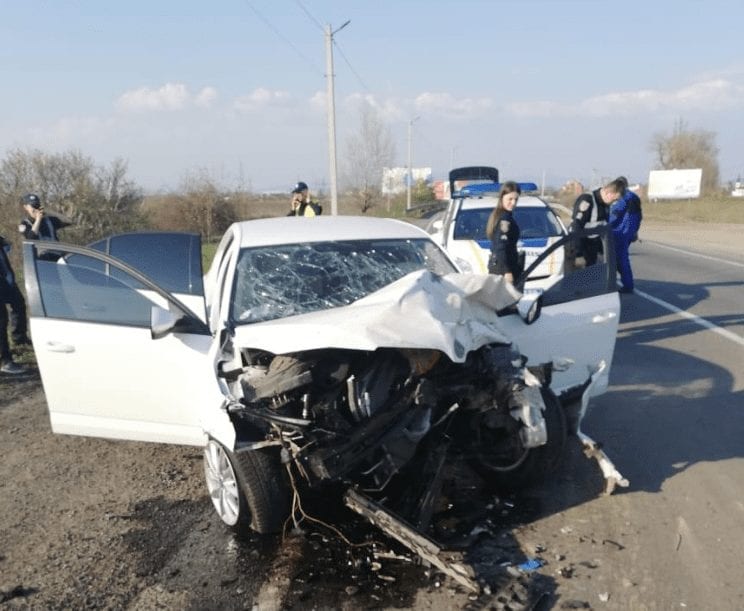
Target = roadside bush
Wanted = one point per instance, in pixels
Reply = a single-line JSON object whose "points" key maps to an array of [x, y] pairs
{"points": [[97, 200]]}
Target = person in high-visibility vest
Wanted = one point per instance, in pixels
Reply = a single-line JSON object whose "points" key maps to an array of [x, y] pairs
{"points": [[301, 205], [592, 209]]}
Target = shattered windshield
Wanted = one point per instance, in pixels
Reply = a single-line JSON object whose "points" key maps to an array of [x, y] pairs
{"points": [[285, 280]]}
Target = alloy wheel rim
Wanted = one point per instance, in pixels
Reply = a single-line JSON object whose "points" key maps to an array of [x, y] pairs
{"points": [[222, 483]]}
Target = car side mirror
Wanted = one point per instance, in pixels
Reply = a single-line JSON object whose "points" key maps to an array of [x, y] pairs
{"points": [[529, 308], [164, 322], [436, 226]]}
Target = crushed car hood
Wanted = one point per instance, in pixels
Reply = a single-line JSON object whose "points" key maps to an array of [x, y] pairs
{"points": [[455, 314]]}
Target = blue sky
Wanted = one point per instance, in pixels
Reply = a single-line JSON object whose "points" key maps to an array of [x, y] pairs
{"points": [[236, 88]]}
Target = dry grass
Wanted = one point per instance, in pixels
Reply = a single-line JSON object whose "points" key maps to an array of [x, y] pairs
{"points": [[704, 210]]}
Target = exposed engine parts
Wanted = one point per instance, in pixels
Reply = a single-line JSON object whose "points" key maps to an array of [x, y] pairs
{"points": [[359, 417]]}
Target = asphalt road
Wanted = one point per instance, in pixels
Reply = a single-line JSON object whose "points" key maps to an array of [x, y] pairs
{"points": [[673, 423]]}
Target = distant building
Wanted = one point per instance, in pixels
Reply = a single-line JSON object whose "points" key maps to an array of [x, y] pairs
{"points": [[395, 180], [738, 188], [441, 189]]}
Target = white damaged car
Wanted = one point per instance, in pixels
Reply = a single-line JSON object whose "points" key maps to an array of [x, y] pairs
{"points": [[332, 349]]}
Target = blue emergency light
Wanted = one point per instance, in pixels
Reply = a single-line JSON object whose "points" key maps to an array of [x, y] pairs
{"points": [[480, 189]]}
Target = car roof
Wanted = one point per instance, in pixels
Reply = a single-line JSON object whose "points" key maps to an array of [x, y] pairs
{"points": [[292, 230], [476, 203]]}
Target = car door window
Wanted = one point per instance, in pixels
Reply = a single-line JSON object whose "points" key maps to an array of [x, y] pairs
{"points": [[536, 222], [471, 224], [177, 266], [577, 280], [78, 289]]}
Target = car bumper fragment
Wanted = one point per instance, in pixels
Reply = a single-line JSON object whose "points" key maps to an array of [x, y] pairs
{"points": [[612, 476]]}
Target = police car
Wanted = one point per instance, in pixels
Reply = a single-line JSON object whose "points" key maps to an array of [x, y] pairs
{"points": [[461, 229]]}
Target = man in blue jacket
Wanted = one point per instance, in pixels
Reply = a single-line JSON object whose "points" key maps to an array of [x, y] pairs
{"points": [[625, 220]]}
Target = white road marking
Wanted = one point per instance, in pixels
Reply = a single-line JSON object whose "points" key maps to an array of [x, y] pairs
{"points": [[692, 317], [695, 254]]}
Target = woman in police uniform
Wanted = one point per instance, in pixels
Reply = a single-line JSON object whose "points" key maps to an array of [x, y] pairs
{"points": [[503, 232]]}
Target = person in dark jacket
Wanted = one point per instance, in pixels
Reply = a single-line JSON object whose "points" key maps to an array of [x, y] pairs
{"points": [[591, 210], [625, 220], [10, 295], [38, 225], [503, 232], [301, 205]]}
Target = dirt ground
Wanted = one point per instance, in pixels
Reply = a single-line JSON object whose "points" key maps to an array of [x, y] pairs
{"points": [[74, 513]]}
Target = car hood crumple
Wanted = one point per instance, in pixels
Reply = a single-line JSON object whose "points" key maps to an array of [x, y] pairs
{"points": [[455, 314]]}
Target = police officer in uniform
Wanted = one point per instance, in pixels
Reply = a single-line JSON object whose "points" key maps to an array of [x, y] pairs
{"points": [[503, 232], [38, 225], [591, 210], [10, 295], [301, 205]]}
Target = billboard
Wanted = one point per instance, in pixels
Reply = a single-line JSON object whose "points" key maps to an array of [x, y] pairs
{"points": [[674, 184]]}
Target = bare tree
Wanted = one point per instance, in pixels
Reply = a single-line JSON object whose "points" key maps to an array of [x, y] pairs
{"points": [[200, 205], [368, 151], [98, 200], [689, 149]]}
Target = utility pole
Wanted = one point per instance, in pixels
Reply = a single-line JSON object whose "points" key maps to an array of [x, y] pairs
{"points": [[332, 116], [409, 171]]}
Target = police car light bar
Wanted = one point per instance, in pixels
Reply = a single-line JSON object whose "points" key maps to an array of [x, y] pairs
{"points": [[489, 187]]}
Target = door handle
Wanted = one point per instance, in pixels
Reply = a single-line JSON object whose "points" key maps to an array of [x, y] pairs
{"points": [[60, 347], [599, 318]]}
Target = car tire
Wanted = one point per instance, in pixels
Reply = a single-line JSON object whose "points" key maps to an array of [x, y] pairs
{"points": [[529, 466], [249, 490]]}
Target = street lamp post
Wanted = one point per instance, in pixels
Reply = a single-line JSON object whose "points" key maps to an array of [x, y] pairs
{"points": [[332, 116]]}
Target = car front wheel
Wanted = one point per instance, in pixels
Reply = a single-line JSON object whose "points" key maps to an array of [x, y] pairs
{"points": [[506, 464], [249, 490]]}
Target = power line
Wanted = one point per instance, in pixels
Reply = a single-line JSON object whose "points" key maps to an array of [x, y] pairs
{"points": [[340, 50], [313, 19], [354, 72], [283, 37]]}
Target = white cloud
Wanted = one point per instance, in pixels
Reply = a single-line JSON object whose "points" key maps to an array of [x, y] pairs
{"points": [[390, 109], [318, 101], [205, 97], [450, 105], [711, 95], [171, 96], [540, 108], [261, 98]]}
